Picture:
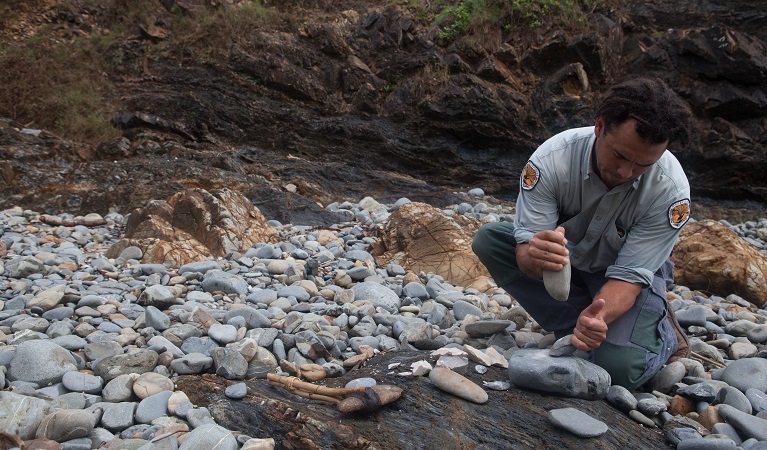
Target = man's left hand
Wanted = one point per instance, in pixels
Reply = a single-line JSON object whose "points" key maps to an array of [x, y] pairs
{"points": [[591, 328]]}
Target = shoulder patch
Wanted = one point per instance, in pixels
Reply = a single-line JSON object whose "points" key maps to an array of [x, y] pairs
{"points": [[679, 213], [530, 176]]}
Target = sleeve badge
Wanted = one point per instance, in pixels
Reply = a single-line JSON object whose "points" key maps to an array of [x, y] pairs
{"points": [[679, 213], [530, 176]]}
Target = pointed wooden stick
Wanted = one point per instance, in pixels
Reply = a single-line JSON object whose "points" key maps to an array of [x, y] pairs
{"points": [[347, 400], [704, 359]]}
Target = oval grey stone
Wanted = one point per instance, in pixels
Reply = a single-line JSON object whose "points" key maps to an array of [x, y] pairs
{"points": [[577, 422], [41, 362], [377, 294]]}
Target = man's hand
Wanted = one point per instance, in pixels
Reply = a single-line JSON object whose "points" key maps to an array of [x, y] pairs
{"points": [[591, 328], [546, 250]]}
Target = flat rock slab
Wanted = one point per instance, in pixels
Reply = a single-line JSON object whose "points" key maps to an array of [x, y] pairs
{"points": [[512, 419], [577, 422]]}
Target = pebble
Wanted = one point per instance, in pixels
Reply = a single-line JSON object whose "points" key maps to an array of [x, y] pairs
{"points": [[209, 437], [577, 422], [236, 391], [41, 362], [111, 344], [747, 374], [66, 424], [621, 398], [706, 444], [750, 426], [82, 382]]}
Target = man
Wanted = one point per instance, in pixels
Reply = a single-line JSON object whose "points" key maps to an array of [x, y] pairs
{"points": [[611, 201]]}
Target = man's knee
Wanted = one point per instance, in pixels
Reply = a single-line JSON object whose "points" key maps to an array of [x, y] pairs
{"points": [[627, 366], [494, 246]]}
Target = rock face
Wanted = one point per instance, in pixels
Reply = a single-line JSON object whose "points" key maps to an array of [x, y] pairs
{"points": [[193, 225], [711, 257], [295, 103], [423, 238]]}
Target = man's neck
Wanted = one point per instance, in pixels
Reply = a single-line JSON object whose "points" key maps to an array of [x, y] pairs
{"points": [[595, 166]]}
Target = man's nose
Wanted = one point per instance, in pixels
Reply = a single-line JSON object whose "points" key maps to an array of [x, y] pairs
{"points": [[625, 169]]}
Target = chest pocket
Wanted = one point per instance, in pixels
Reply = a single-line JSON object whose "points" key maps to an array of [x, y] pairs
{"points": [[610, 245]]}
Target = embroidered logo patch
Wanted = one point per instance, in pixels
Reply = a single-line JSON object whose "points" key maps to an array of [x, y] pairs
{"points": [[530, 176], [679, 213]]}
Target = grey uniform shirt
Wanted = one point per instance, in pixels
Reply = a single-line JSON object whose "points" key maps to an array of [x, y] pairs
{"points": [[629, 231]]}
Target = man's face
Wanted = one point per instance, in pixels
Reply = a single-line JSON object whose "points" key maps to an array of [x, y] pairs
{"points": [[621, 155]]}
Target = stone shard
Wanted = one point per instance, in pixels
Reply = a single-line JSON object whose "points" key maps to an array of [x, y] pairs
{"points": [[457, 384], [557, 283]]}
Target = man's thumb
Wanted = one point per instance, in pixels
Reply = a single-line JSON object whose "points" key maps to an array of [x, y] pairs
{"points": [[595, 308]]}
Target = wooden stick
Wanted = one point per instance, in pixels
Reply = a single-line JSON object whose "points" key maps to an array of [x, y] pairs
{"points": [[293, 383], [707, 360]]}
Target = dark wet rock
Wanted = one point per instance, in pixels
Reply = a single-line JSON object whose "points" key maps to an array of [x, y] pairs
{"points": [[263, 411]]}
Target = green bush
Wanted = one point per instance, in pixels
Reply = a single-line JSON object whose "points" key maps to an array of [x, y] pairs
{"points": [[457, 20]]}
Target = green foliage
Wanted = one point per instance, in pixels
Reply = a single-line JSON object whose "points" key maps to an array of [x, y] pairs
{"points": [[457, 20]]}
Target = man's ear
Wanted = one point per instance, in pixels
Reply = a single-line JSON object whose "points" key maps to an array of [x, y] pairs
{"points": [[599, 126]]}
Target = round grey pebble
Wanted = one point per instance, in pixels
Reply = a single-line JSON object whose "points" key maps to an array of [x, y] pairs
{"points": [[82, 382], [236, 391], [153, 407], [621, 398]]}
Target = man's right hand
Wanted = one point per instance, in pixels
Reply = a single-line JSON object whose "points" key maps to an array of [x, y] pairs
{"points": [[546, 250]]}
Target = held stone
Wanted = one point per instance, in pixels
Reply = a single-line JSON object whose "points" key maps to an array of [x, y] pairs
{"points": [[557, 283]]}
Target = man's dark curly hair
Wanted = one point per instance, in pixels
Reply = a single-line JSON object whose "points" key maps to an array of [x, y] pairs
{"points": [[661, 115]]}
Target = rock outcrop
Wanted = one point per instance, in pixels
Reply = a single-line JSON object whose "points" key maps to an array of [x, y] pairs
{"points": [[364, 98], [193, 225], [712, 258], [422, 238]]}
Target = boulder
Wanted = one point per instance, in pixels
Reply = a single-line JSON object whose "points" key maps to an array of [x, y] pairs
{"points": [[421, 237], [193, 225], [711, 257]]}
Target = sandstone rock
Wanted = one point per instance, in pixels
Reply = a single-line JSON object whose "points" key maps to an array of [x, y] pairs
{"points": [[712, 257], [421, 237], [193, 225]]}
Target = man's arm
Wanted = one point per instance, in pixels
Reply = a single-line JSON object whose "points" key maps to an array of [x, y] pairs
{"points": [[612, 301]]}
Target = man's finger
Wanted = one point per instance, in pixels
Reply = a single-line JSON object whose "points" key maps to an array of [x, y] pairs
{"points": [[595, 309]]}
